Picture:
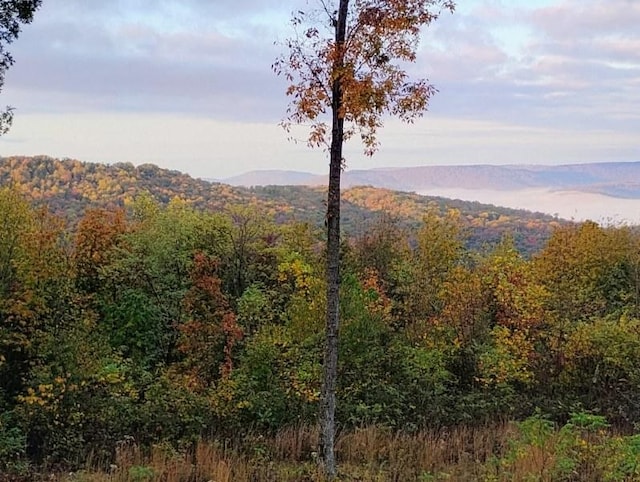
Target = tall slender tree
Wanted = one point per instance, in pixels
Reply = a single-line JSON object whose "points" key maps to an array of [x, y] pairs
{"points": [[13, 13], [345, 63]]}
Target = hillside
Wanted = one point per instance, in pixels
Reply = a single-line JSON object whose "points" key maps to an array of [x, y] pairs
{"points": [[68, 187]]}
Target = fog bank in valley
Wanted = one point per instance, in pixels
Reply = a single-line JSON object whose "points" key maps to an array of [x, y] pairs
{"points": [[575, 205]]}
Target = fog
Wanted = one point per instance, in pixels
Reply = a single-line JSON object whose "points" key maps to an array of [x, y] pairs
{"points": [[575, 205]]}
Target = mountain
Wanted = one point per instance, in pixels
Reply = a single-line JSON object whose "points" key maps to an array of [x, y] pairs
{"points": [[68, 187], [617, 179]]}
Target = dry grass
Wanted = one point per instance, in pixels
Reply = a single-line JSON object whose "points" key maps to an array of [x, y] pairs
{"points": [[366, 454]]}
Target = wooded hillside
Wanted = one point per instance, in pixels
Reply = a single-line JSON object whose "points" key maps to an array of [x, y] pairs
{"points": [[68, 187]]}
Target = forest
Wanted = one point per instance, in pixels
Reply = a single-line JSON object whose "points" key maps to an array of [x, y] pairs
{"points": [[157, 338], [68, 187]]}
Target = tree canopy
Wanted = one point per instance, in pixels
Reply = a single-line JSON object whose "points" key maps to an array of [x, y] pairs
{"points": [[381, 37], [159, 324]]}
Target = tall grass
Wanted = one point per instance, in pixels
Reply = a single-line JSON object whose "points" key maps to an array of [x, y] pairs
{"points": [[494, 453], [366, 454]]}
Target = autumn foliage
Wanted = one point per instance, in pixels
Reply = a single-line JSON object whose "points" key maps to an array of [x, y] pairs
{"points": [[380, 39], [130, 326]]}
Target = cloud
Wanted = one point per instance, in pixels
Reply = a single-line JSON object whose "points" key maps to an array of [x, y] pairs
{"points": [[489, 60], [120, 63], [589, 50], [586, 19], [568, 63]]}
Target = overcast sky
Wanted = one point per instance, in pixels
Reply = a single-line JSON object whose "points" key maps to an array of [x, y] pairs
{"points": [[187, 84]]}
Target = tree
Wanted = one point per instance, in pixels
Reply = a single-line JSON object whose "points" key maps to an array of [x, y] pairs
{"points": [[346, 60], [210, 332], [97, 235], [12, 14]]}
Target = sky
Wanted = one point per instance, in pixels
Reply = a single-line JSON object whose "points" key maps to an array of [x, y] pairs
{"points": [[187, 85]]}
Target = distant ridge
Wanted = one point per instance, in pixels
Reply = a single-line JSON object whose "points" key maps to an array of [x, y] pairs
{"points": [[616, 179], [274, 177], [605, 193]]}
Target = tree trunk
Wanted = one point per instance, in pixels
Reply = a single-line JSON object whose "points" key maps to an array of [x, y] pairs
{"points": [[328, 401]]}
